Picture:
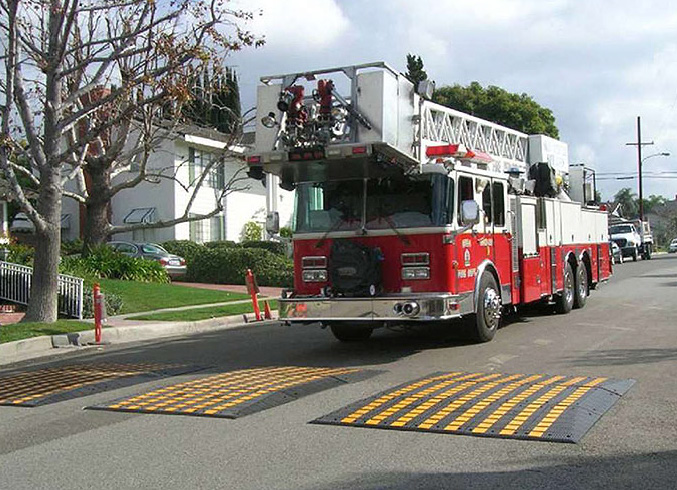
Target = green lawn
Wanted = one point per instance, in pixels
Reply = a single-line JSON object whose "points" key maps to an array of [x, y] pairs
{"points": [[203, 313], [19, 331], [143, 296]]}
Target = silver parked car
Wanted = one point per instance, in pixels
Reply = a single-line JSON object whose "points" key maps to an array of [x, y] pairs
{"points": [[173, 264]]}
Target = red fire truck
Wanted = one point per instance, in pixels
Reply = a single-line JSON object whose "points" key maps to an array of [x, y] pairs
{"points": [[408, 211]]}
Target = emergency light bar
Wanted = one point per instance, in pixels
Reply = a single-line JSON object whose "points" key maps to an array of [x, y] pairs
{"points": [[460, 152]]}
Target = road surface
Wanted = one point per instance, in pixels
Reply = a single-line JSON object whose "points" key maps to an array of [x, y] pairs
{"points": [[628, 329]]}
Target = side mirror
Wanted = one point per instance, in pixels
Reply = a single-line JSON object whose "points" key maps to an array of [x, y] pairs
{"points": [[273, 223], [470, 212]]}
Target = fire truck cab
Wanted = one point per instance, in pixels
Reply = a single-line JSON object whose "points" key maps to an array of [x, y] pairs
{"points": [[407, 211]]}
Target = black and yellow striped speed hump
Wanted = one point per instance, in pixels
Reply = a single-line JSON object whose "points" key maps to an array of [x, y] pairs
{"points": [[521, 406]]}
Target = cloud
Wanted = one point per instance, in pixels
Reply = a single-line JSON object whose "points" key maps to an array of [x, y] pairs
{"points": [[597, 64], [298, 24]]}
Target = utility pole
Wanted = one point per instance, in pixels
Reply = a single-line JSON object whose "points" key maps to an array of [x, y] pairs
{"points": [[639, 145]]}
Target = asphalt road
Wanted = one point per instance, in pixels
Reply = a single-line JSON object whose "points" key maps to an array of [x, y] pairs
{"points": [[628, 329]]}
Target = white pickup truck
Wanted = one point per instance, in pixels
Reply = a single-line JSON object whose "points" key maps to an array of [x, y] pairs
{"points": [[634, 238]]}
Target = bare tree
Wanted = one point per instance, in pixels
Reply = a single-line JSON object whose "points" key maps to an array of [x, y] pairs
{"points": [[90, 85]]}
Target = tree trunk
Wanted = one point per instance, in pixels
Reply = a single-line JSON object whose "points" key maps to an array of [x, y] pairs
{"points": [[42, 305], [97, 226]]}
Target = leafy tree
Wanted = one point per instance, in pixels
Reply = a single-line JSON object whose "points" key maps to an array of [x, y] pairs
{"points": [[516, 111], [415, 72], [653, 202], [628, 201], [84, 83]]}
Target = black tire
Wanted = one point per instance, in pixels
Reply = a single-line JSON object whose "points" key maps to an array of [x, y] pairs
{"points": [[565, 300], [346, 332], [582, 286], [488, 310], [634, 255]]}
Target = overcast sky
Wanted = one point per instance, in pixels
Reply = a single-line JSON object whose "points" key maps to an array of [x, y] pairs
{"points": [[597, 64]]}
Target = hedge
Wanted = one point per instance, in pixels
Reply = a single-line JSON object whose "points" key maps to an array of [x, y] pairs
{"points": [[278, 248], [228, 265]]}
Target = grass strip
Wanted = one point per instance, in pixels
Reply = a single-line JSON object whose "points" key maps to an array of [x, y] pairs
{"points": [[196, 314], [145, 296], [20, 331]]}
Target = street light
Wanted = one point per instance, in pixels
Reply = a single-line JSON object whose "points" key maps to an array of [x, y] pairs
{"points": [[641, 195]]}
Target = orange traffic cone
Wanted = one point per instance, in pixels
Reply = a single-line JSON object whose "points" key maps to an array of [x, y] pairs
{"points": [[266, 311]]}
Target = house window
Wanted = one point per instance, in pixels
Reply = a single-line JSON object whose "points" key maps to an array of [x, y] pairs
{"points": [[208, 230], [198, 161]]}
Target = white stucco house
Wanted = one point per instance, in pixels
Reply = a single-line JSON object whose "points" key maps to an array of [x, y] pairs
{"points": [[183, 157]]}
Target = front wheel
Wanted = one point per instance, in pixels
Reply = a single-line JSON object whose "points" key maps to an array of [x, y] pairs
{"points": [[582, 286], [565, 301], [488, 315], [346, 332], [634, 255]]}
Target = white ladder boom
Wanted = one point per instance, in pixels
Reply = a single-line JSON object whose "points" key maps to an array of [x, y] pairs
{"points": [[440, 125]]}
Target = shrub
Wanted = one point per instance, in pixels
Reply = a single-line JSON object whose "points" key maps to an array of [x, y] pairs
{"points": [[183, 248], [286, 232], [20, 254], [71, 247], [113, 302], [222, 244], [104, 262], [274, 247], [252, 231], [229, 266]]}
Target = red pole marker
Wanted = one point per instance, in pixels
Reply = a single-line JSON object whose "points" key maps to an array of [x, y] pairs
{"points": [[253, 290], [98, 310], [266, 311]]}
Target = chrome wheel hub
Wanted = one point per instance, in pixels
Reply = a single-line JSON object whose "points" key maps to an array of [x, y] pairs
{"points": [[492, 307], [583, 281], [568, 288]]}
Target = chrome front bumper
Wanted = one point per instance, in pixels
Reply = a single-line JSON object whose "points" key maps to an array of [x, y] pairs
{"points": [[383, 308]]}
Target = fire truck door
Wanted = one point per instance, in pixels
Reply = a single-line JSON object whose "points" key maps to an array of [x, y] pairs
{"points": [[498, 239], [531, 260]]}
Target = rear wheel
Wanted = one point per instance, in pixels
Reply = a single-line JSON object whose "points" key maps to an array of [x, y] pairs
{"points": [[489, 307], [348, 332], [565, 301], [582, 286]]}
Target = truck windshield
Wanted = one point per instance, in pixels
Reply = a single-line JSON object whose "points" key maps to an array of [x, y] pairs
{"points": [[615, 230], [391, 203]]}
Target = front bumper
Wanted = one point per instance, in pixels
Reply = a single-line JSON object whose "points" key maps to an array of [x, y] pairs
{"points": [[629, 251], [382, 308]]}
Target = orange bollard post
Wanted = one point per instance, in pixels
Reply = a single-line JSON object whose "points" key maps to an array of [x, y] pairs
{"points": [[98, 313], [266, 311], [253, 289]]}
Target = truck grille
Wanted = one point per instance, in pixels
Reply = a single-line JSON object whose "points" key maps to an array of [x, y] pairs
{"points": [[620, 242]]}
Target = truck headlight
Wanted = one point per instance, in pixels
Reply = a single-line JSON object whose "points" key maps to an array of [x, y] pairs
{"points": [[315, 275], [415, 273]]}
